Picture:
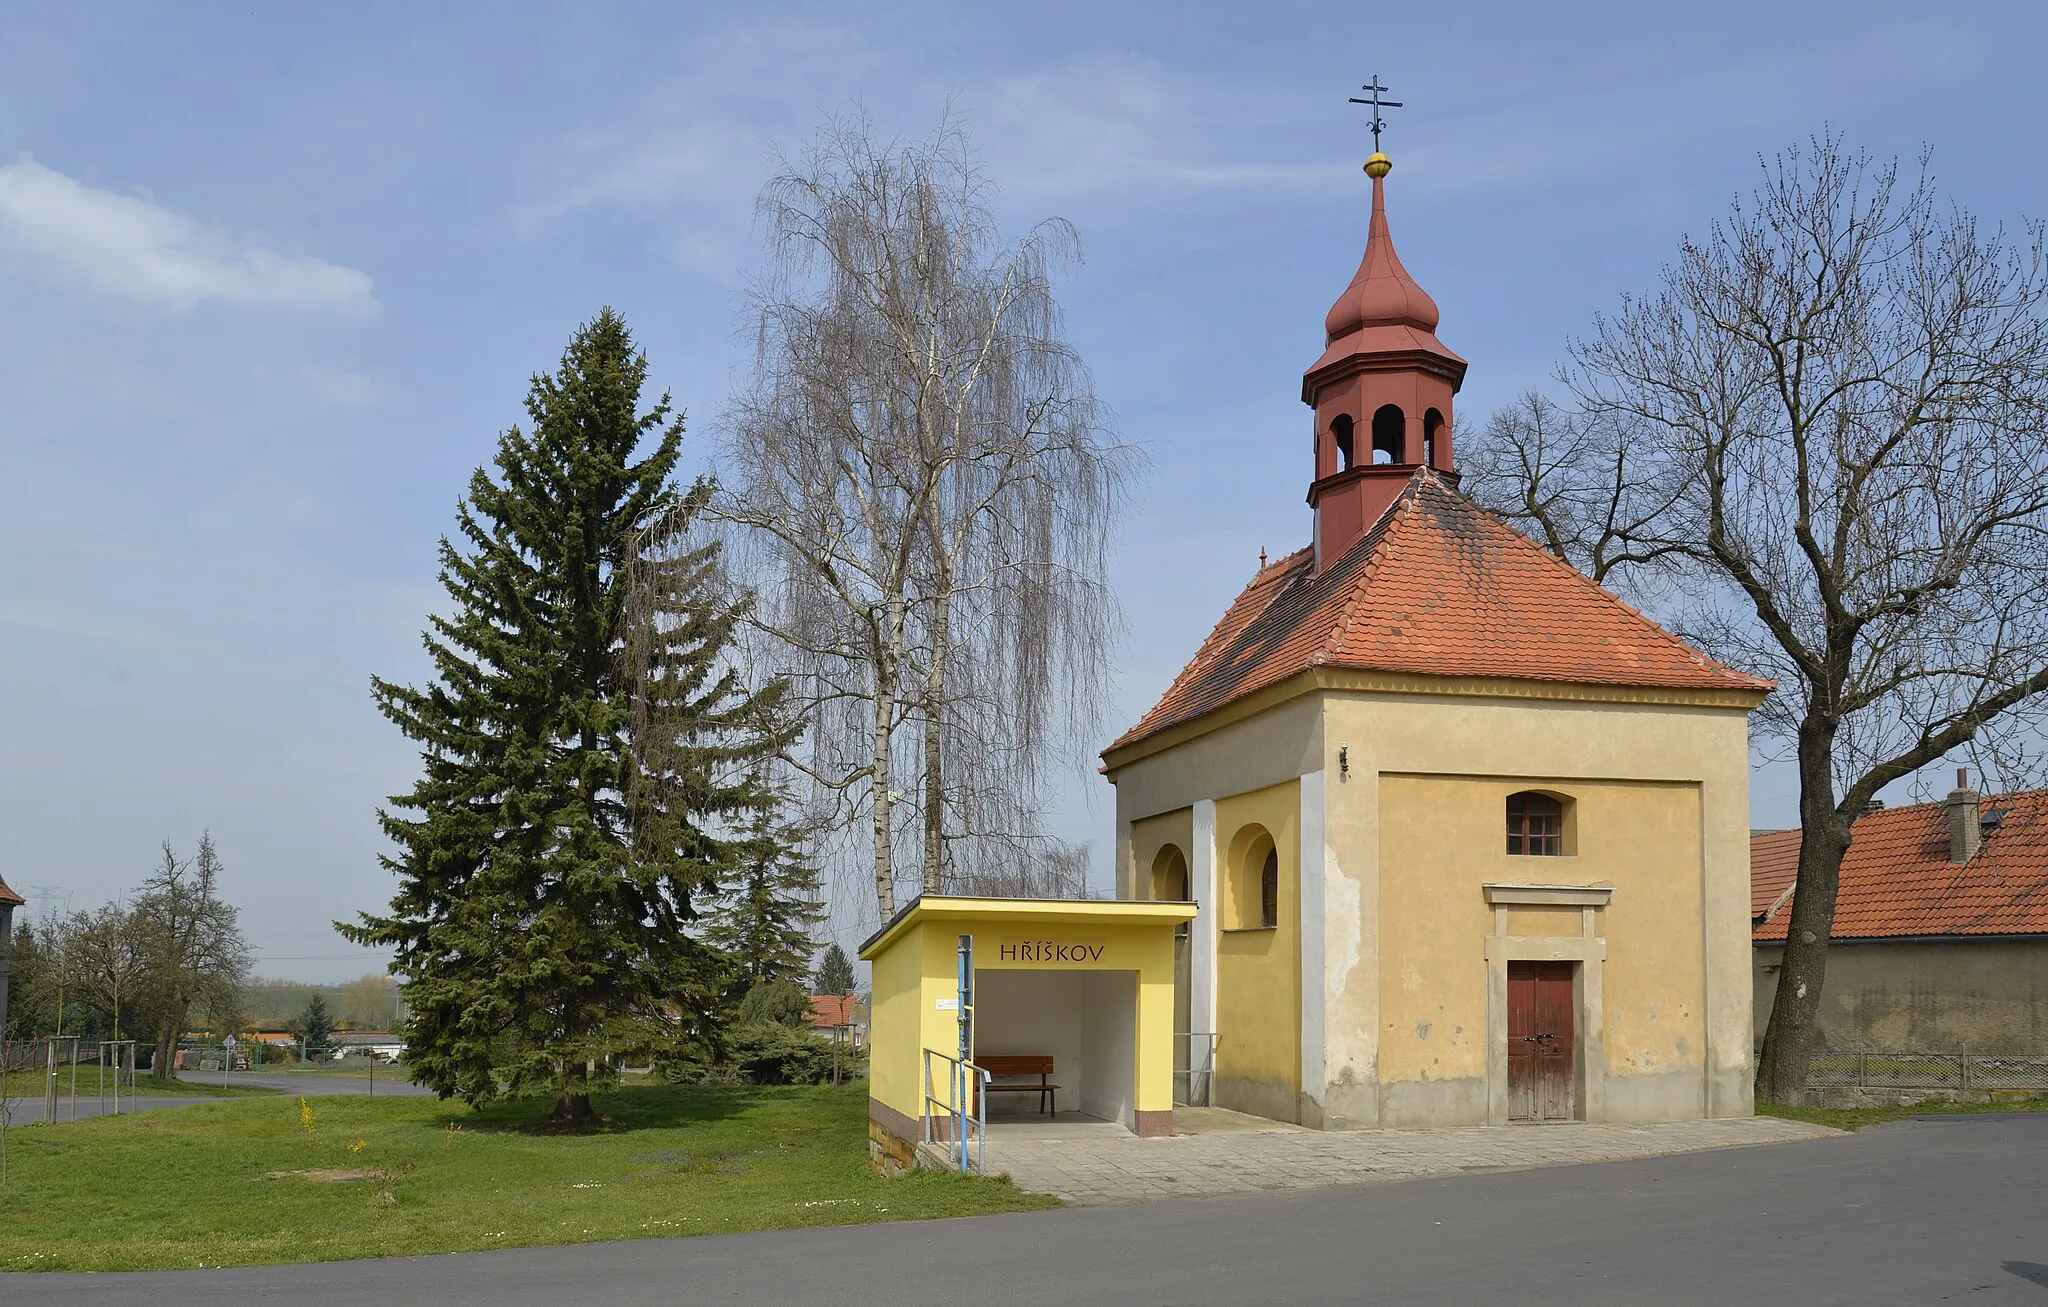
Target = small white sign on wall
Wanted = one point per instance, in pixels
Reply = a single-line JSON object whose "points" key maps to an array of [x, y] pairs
{"points": [[948, 1005]]}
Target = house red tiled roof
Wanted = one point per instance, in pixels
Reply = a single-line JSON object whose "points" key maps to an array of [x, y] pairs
{"points": [[1773, 864], [1438, 587], [9, 896], [829, 1010], [1897, 880]]}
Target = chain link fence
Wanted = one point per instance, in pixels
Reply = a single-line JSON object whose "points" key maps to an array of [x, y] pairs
{"points": [[1957, 1071]]}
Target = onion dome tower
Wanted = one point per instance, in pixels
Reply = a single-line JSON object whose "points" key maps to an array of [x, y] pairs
{"points": [[1381, 391]]}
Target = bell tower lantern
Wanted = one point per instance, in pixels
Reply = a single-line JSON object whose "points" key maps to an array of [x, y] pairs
{"points": [[1381, 391]]}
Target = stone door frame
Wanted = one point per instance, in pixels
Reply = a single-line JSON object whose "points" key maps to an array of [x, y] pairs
{"points": [[1587, 949]]}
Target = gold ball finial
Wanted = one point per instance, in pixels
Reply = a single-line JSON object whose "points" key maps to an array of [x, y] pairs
{"points": [[1378, 166]]}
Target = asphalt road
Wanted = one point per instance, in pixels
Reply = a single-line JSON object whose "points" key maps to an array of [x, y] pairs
{"points": [[1919, 1212], [25, 1110], [385, 1080], [28, 1111]]}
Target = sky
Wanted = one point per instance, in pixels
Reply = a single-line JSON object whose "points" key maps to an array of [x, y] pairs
{"points": [[273, 279]]}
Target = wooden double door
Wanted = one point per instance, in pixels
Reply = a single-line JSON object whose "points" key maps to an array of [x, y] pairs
{"points": [[1542, 1042]]}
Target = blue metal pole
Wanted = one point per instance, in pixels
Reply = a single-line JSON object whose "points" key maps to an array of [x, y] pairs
{"points": [[966, 1019]]}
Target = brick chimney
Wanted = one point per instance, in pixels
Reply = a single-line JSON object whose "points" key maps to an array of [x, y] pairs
{"points": [[1964, 832]]}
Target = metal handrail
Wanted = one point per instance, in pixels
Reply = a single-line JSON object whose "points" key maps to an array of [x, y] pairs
{"points": [[955, 1107], [1202, 1072]]}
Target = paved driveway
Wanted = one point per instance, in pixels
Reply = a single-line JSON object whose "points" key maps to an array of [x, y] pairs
{"points": [[1948, 1210], [1215, 1152]]}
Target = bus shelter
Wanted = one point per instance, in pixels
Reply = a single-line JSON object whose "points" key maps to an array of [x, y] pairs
{"points": [[1082, 989]]}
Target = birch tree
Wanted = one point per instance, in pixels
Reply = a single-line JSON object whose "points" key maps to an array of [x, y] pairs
{"points": [[922, 485], [1833, 412]]}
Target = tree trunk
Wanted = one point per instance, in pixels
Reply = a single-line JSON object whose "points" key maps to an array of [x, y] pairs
{"points": [[885, 713], [162, 1064], [1793, 1035], [573, 1109], [572, 1105], [934, 710]]}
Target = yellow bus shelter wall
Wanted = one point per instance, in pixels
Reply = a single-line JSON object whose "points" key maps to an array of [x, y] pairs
{"points": [[915, 979]]}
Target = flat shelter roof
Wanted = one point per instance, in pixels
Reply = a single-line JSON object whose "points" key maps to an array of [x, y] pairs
{"points": [[961, 909]]}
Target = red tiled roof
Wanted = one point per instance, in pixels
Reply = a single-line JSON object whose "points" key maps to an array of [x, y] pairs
{"points": [[1773, 865], [1897, 880], [9, 896], [1438, 587], [829, 1010]]}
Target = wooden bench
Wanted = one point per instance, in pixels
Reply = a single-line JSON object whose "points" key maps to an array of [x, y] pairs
{"points": [[1027, 1065]]}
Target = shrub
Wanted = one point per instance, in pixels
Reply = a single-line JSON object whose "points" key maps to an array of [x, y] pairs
{"points": [[781, 1002], [770, 1053]]}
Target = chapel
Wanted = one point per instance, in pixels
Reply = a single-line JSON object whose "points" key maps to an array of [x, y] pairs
{"points": [[1466, 837]]}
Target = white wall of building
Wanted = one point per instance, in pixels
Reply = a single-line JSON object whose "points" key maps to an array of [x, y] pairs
{"points": [[1086, 1021]]}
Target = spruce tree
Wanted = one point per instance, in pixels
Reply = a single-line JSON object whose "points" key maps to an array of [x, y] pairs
{"points": [[314, 1027], [762, 923], [549, 861], [835, 971]]}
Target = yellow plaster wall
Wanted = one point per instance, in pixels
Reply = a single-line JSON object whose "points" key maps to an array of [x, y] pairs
{"points": [[1433, 921], [1655, 983], [1442, 840], [895, 1075], [915, 970], [1258, 1011], [1148, 837], [1694, 760], [1547, 921]]}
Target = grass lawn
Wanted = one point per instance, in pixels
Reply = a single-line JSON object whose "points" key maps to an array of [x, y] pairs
{"points": [[232, 1184], [29, 1084], [1855, 1118]]}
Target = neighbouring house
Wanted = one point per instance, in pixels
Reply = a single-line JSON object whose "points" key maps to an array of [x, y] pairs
{"points": [[838, 1017], [9, 901], [1467, 836], [1941, 926], [378, 1045]]}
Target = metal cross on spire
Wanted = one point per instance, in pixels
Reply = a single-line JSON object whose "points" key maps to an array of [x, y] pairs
{"points": [[1378, 124]]}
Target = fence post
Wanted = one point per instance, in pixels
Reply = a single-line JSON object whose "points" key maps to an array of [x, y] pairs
{"points": [[1965, 1058], [1863, 1070]]}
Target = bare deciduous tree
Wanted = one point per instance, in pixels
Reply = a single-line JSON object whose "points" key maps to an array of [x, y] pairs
{"points": [[102, 954], [1833, 411], [1059, 872], [190, 944], [923, 489], [1575, 482]]}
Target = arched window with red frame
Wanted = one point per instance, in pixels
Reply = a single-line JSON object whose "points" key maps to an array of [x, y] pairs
{"points": [[1535, 824]]}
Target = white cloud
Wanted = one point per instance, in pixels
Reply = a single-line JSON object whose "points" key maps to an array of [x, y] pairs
{"points": [[1107, 134], [134, 248], [691, 152], [1124, 126]]}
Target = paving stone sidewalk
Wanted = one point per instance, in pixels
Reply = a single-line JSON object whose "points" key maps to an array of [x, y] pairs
{"points": [[1098, 1168]]}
